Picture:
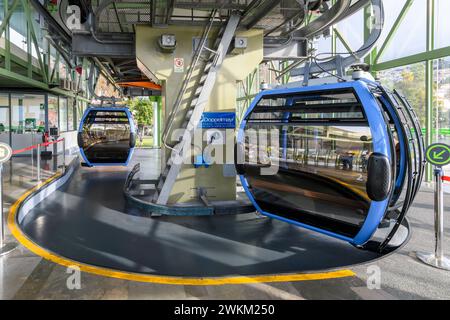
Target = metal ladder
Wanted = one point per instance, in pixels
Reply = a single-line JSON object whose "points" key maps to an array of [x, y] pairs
{"points": [[208, 69]]}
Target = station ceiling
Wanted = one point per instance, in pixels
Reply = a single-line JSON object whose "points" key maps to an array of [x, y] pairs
{"points": [[114, 21]]}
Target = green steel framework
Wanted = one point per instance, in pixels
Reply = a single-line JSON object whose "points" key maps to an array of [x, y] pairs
{"points": [[50, 76], [373, 59]]}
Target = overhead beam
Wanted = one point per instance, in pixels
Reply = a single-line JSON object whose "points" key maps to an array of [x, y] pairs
{"points": [[84, 45], [258, 12]]}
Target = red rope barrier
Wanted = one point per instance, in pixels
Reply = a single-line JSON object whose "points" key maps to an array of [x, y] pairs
{"points": [[46, 144]]}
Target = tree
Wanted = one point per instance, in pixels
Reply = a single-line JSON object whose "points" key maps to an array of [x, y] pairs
{"points": [[142, 110]]}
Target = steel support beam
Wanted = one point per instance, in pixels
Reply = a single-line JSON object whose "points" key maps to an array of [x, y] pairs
{"points": [[84, 45], [254, 15]]}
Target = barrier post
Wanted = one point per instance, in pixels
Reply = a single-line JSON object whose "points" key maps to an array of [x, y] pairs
{"points": [[5, 247], [438, 155], [32, 156], [38, 163]]}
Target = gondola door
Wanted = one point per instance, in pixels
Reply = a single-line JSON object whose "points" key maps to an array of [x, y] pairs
{"points": [[322, 158]]}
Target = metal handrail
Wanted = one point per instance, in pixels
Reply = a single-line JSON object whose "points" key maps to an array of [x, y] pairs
{"points": [[194, 63]]}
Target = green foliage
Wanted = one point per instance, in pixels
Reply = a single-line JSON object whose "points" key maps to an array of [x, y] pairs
{"points": [[410, 81], [142, 110]]}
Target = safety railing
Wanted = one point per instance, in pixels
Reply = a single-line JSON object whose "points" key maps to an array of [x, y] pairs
{"points": [[19, 166], [39, 148]]}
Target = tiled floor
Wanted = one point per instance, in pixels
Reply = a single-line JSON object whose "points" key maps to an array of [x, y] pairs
{"points": [[24, 275]]}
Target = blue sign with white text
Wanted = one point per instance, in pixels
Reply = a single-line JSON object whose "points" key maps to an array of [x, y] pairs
{"points": [[218, 120]]}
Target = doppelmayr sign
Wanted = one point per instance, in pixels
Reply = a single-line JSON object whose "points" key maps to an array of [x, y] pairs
{"points": [[218, 120]]}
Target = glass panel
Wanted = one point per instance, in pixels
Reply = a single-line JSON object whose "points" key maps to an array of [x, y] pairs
{"points": [[63, 70], [52, 111], [80, 111], [313, 172], [392, 10], [2, 38], [18, 39], [442, 24], [321, 178], [27, 119], [4, 118], [62, 114], [70, 115], [106, 137], [18, 28], [352, 34], [52, 65], [441, 103], [323, 46], [4, 125], [410, 81], [410, 37], [40, 30], [318, 107]]}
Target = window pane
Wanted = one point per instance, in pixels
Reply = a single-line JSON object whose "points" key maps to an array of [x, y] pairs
{"points": [[306, 157], [70, 116], [4, 118], [315, 182], [323, 46], [410, 37], [442, 24], [28, 113], [80, 111], [441, 103], [106, 137], [350, 29], [52, 111], [341, 105], [63, 114], [410, 81], [18, 38], [40, 30], [27, 118], [392, 10]]}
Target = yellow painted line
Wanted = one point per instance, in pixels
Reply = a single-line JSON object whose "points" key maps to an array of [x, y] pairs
{"points": [[26, 242]]}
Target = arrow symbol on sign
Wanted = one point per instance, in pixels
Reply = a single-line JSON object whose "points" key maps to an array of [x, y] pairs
{"points": [[438, 156]]}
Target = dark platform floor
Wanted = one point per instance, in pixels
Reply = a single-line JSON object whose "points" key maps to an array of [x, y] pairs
{"points": [[89, 221]]}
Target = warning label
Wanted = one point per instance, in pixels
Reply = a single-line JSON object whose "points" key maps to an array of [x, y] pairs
{"points": [[178, 65]]}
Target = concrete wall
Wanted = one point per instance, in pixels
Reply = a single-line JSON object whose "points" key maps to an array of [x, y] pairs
{"points": [[236, 67]]}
